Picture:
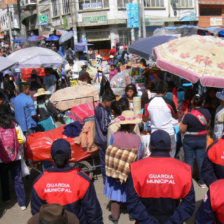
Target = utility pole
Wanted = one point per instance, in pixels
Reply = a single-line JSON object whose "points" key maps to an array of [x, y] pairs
{"points": [[74, 19], [10, 26], [143, 19]]}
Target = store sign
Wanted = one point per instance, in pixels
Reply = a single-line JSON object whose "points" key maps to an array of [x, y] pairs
{"points": [[154, 22], [216, 21], [133, 15], [43, 20], [94, 19], [95, 5]]}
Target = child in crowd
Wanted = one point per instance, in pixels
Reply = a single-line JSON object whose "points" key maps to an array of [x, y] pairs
{"points": [[130, 93], [113, 72]]}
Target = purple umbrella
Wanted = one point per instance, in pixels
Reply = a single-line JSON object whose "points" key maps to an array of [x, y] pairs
{"points": [[144, 47], [6, 63]]}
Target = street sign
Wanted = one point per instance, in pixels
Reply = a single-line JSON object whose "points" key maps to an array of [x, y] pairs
{"points": [[133, 15], [43, 20]]}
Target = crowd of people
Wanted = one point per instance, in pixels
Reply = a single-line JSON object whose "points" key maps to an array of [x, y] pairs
{"points": [[184, 121]]}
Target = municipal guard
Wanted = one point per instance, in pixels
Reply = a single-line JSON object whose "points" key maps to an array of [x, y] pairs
{"points": [[213, 165], [67, 186], [212, 208], [160, 188]]}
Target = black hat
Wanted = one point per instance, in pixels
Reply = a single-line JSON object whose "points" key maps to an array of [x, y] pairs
{"points": [[53, 214], [160, 140], [61, 148]]}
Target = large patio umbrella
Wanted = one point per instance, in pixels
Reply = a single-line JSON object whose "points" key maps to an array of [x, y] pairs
{"points": [[36, 57], [65, 36], [6, 63], [194, 58], [144, 47]]}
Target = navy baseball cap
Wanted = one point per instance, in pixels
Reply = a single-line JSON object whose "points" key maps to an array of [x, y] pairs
{"points": [[160, 140], [61, 148]]}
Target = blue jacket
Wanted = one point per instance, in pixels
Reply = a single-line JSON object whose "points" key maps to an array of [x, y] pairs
{"points": [[103, 119], [71, 188], [160, 209], [212, 168]]}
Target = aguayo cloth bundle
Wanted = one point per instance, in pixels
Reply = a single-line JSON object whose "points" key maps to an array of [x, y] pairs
{"points": [[118, 162], [67, 98]]}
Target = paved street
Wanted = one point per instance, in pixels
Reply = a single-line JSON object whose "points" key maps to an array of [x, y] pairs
{"points": [[11, 213]]}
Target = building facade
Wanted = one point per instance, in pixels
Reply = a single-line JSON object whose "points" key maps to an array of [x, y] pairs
{"points": [[104, 22], [211, 13]]}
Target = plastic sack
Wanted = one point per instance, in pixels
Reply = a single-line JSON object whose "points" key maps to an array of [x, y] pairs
{"points": [[38, 145], [24, 168], [118, 80]]}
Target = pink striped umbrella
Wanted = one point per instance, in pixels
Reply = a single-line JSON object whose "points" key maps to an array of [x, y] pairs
{"points": [[194, 58]]}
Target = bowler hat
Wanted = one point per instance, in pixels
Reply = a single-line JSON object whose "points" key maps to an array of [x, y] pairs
{"points": [[53, 214]]}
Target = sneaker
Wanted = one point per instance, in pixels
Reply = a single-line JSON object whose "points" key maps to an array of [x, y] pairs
{"points": [[23, 208], [115, 221], [202, 186]]}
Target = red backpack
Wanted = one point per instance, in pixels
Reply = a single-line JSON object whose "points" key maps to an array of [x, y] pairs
{"points": [[9, 145]]}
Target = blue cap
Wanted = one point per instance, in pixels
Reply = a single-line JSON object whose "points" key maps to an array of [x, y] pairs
{"points": [[160, 140], [61, 148]]}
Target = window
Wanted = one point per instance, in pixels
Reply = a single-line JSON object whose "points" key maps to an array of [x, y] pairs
{"points": [[184, 4], [210, 11], [93, 4], [66, 6], [124, 37], [122, 3], [154, 3], [55, 7]]}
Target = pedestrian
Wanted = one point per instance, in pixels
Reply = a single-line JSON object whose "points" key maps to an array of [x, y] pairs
{"points": [[194, 126], [219, 117], [67, 186], [34, 82], [130, 93], [161, 112], [213, 164], [53, 214], [84, 70], [211, 209], [45, 121], [49, 81], [103, 119], [125, 146], [9, 86], [10, 157], [113, 71], [160, 188], [25, 112], [148, 94]]}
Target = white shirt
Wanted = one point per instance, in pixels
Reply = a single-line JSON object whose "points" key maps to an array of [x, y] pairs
{"points": [[160, 115], [72, 70]]}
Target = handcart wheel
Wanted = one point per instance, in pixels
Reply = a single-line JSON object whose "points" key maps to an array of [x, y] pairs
{"points": [[86, 167]]}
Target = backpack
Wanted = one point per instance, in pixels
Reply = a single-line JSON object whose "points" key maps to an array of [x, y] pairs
{"points": [[9, 145]]}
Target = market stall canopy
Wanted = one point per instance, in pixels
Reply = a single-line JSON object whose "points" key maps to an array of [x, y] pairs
{"points": [[79, 47], [6, 63], [53, 38], [67, 98], [32, 38], [194, 58], [65, 36], [36, 57], [144, 47]]}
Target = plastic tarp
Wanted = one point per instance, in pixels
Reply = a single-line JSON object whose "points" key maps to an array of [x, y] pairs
{"points": [[38, 145], [65, 99]]}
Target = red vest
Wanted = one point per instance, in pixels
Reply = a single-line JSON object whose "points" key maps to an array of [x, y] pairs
{"points": [[61, 187], [216, 153], [161, 178], [217, 199]]}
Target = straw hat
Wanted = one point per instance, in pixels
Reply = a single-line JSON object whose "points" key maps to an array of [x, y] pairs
{"points": [[53, 213], [128, 117], [41, 92]]}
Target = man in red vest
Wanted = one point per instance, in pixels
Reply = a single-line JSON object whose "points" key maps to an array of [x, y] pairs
{"points": [[160, 189], [213, 164], [212, 208]]}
